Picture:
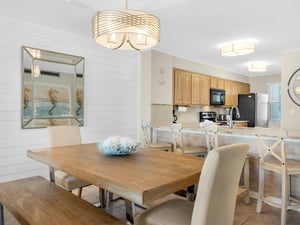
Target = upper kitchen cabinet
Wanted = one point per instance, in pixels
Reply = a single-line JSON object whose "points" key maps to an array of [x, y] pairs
{"points": [[200, 89], [231, 93], [233, 89], [194, 89], [217, 83], [182, 87], [243, 88]]}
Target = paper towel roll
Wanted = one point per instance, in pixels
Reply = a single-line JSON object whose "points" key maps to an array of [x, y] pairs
{"points": [[182, 109]]}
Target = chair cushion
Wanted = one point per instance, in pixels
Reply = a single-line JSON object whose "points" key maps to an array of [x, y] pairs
{"points": [[160, 145], [67, 181], [194, 149], [173, 212]]}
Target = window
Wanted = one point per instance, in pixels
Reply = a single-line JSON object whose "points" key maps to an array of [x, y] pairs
{"points": [[274, 102]]}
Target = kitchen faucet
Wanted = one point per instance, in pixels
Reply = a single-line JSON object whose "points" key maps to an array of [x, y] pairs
{"points": [[229, 118]]}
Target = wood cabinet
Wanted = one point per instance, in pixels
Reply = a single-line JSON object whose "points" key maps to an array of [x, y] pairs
{"points": [[217, 83], [231, 93], [194, 89], [244, 88], [233, 89], [240, 123], [182, 87], [200, 89]]}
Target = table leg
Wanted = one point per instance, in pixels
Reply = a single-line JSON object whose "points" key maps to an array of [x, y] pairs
{"points": [[246, 180], [51, 174], [191, 193], [102, 197], [1, 214], [130, 211]]}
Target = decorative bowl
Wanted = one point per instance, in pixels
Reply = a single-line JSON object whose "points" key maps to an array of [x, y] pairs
{"points": [[117, 145]]}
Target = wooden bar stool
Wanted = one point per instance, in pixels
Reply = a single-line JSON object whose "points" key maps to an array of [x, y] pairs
{"points": [[163, 146], [272, 154], [211, 140], [176, 131]]}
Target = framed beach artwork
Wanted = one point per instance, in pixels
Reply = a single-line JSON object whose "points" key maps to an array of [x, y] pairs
{"points": [[53, 89]]}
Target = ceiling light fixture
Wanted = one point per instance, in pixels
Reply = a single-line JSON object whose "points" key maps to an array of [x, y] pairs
{"points": [[126, 29], [257, 67], [238, 48]]}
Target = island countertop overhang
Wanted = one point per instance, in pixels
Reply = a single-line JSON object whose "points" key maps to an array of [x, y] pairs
{"points": [[195, 135]]}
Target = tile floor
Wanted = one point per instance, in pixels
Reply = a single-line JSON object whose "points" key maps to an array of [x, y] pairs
{"points": [[244, 215]]}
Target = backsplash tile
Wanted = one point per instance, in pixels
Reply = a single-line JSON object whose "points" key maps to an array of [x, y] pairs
{"points": [[162, 115]]}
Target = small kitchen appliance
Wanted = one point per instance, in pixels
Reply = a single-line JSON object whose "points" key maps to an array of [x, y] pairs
{"points": [[211, 116], [217, 97]]}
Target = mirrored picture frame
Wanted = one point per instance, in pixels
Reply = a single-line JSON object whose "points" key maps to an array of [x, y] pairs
{"points": [[52, 88], [294, 87]]}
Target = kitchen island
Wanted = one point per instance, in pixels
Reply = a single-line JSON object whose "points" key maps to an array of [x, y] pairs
{"points": [[194, 136]]}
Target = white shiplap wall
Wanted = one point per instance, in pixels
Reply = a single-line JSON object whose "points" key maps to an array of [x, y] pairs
{"points": [[111, 93]]}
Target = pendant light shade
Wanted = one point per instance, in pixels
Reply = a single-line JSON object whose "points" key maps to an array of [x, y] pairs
{"points": [[126, 29], [238, 48]]}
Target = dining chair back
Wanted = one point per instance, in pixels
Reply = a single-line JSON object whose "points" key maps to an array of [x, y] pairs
{"points": [[62, 136], [163, 146], [216, 194], [272, 156]]}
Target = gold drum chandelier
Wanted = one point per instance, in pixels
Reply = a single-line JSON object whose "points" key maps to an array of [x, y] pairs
{"points": [[126, 29]]}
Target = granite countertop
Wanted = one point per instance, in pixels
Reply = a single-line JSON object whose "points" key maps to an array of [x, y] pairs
{"points": [[224, 129]]}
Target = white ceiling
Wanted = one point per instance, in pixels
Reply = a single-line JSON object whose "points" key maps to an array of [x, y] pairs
{"points": [[190, 29]]}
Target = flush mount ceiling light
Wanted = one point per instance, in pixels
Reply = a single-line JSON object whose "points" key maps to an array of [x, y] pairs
{"points": [[257, 67], [126, 29], [238, 48]]}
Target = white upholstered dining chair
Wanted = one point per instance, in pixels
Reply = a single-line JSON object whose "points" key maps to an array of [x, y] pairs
{"points": [[61, 136], [216, 198], [163, 146], [273, 158]]}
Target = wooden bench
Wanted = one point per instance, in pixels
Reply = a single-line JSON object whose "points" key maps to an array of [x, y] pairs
{"points": [[36, 201]]}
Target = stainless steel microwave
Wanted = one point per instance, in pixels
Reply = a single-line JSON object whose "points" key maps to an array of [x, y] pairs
{"points": [[217, 97]]}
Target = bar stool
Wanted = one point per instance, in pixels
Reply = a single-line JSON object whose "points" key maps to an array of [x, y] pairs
{"points": [[211, 136], [272, 154], [163, 146], [176, 131]]}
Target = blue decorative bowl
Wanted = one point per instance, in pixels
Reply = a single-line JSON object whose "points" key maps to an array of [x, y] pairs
{"points": [[117, 145]]}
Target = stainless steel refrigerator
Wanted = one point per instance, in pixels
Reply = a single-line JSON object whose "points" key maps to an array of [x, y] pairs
{"points": [[254, 108]]}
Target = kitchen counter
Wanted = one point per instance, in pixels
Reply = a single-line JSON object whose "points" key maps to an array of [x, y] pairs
{"points": [[237, 123], [194, 136], [292, 134]]}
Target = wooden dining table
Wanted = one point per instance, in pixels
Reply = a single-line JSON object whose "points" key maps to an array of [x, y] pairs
{"points": [[141, 177]]}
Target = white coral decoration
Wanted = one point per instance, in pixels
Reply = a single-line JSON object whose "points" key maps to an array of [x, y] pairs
{"points": [[119, 144]]}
